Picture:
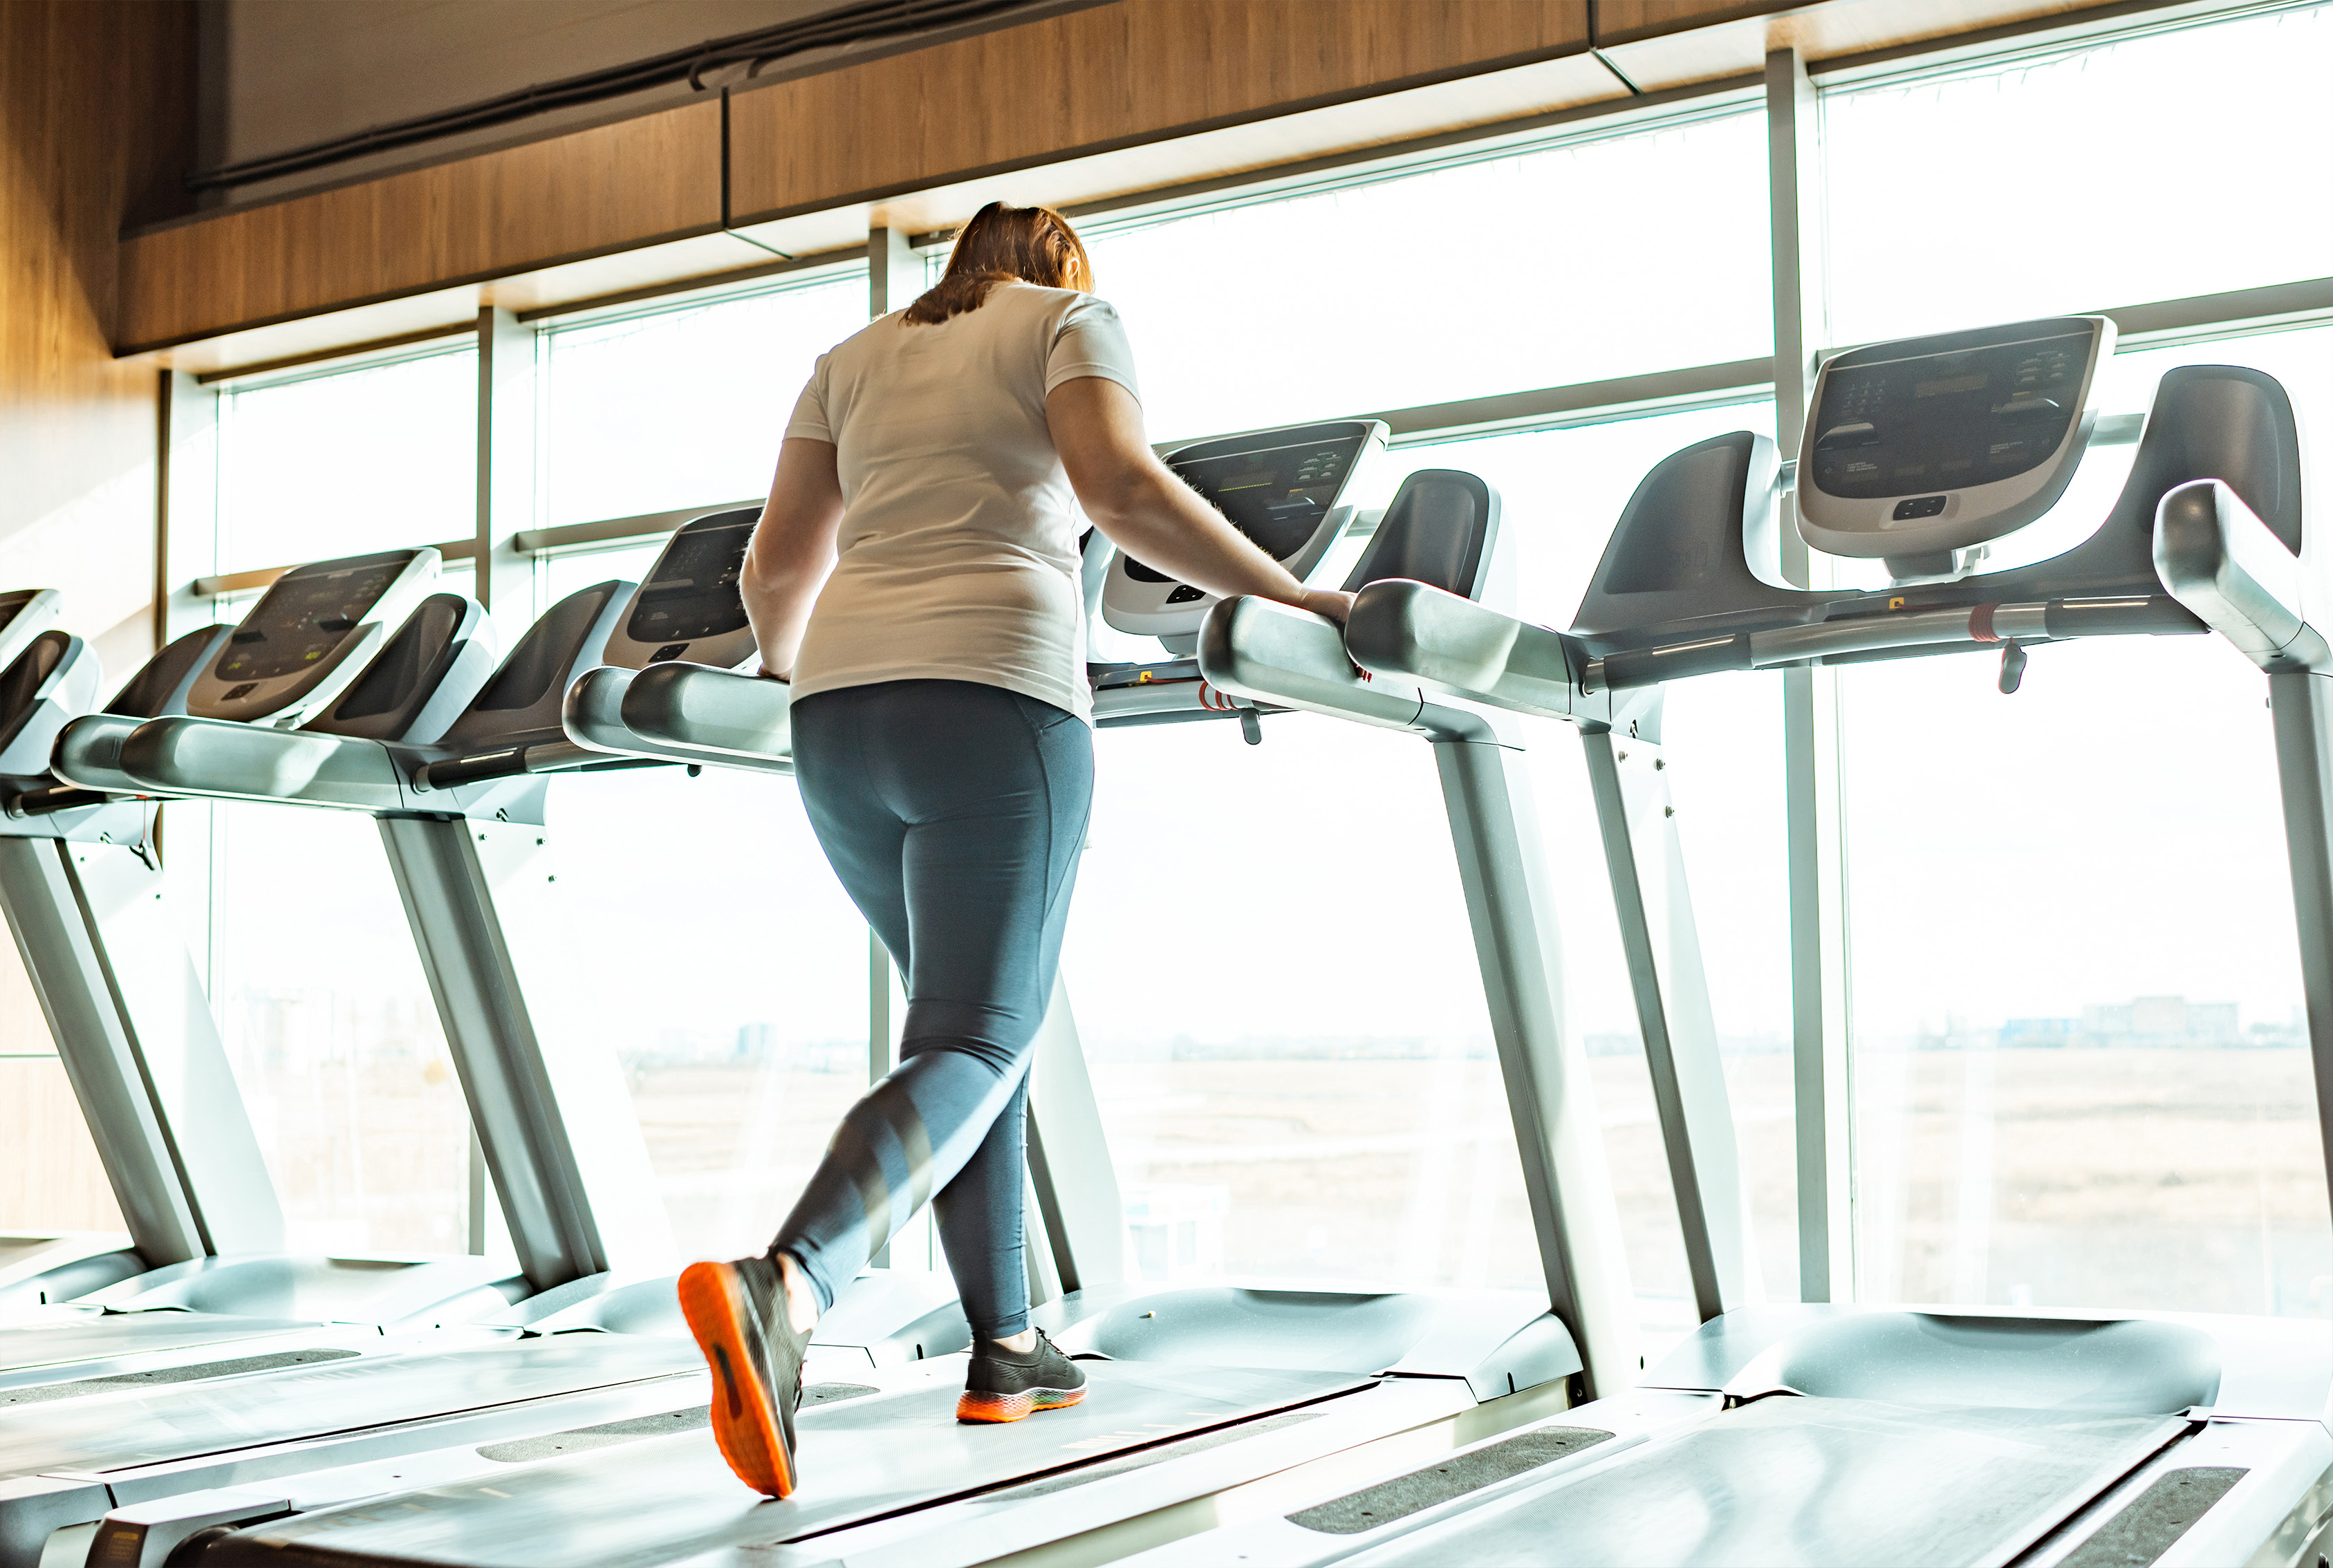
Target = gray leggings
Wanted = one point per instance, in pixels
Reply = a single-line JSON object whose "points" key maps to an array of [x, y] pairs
{"points": [[954, 813]]}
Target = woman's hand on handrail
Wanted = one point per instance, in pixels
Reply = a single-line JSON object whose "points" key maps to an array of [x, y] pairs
{"points": [[1146, 511]]}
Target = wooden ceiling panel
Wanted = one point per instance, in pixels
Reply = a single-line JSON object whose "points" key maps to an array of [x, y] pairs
{"points": [[1098, 79], [610, 188]]}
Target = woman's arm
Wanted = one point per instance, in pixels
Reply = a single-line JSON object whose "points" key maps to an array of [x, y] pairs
{"points": [[1156, 518], [792, 551]]}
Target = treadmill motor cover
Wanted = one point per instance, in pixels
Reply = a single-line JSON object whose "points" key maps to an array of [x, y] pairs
{"points": [[1928, 445]]}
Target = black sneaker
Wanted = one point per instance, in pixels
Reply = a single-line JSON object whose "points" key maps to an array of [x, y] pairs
{"points": [[737, 1312], [1005, 1387]]}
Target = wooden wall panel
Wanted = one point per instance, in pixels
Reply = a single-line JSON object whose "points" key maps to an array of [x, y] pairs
{"points": [[96, 127], [611, 188], [1111, 75], [1622, 20]]}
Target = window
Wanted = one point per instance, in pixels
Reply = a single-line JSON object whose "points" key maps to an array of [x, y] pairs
{"points": [[683, 406], [2081, 1072], [1560, 492], [377, 457], [2179, 162], [51, 1179], [333, 1036], [1276, 988], [729, 978], [1535, 268]]}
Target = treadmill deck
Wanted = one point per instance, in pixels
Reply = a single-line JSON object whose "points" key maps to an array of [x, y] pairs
{"points": [[1799, 1482], [116, 1432], [666, 1499]]}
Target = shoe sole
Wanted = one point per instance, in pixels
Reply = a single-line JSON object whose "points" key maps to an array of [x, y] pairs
{"points": [[745, 1422], [992, 1407]]}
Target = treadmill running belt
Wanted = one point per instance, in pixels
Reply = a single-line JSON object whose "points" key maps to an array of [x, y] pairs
{"points": [[666, 1499], [1809, 1483], [145, 1425], [26, 1349]]}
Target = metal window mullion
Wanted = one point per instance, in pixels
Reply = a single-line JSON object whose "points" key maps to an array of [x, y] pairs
{"points": [[1814, 832], [506, 461]]}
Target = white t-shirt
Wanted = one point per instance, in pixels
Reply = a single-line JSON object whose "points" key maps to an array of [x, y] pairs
{"points": [[959, 551]]}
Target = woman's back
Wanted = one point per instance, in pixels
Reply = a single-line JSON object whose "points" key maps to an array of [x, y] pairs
{"points": [[958, 549]]}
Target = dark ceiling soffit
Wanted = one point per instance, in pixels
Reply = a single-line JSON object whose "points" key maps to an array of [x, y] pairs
{"points": [[640, 107], [912, 23]]}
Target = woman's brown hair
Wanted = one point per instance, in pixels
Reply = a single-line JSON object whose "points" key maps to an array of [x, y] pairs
{"points": [[999, 245]]}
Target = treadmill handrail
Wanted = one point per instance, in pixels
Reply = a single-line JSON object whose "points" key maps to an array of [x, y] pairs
{"points": [[225, 759], [1269, 652], [2219, 559], [1412, 631], [683, 712]]}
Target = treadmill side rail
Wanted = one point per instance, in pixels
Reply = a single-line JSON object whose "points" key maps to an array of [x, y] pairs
{"points": [[2221, 560], [682, 713], [1415, 632], [1274, 652], [221, 759], [89, 752]]}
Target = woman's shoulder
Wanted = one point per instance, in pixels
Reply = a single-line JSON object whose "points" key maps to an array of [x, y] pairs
{"points": [[1057, 304]]}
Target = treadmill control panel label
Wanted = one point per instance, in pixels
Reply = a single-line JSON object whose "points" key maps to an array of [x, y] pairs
{"points": [[1277, 496], [694, 592], [1944, 422], [305, 617]]}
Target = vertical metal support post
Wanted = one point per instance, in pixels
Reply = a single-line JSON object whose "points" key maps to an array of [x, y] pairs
{"points": [[134, 1031], [1494, 828], [556, 1126], [895, 274], [1628, 778], [1820, 1013], [2302, 703], [185, 522], [505, 463], [1070, 1174]]}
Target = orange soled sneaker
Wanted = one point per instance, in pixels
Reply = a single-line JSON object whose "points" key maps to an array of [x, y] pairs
{"points": [[737, 1311], [1004, 1387]]}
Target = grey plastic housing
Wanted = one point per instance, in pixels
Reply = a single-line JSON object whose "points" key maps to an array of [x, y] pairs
{"points": [[1925, 517], [25, 614], [688, 606], [381, 587], [423, 678], [1174, 611]]}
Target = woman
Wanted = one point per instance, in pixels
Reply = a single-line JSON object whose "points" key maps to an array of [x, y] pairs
{"points": [[915, 576]]}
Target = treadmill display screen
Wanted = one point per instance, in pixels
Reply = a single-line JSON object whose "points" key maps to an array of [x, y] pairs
{"points": [[305, 615], [1944, 422], [1276, 497], [693, 592]]}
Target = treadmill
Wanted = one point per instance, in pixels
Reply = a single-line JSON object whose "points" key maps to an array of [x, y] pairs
{"points": [[1291, 1376], [80, 879], [1832, 1433], [447, 759]]}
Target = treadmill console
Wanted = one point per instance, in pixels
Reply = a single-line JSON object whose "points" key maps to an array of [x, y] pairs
{"points": [[25, 614], [688, 606], [1922, 451], [309, 634], [1289, 490]]}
